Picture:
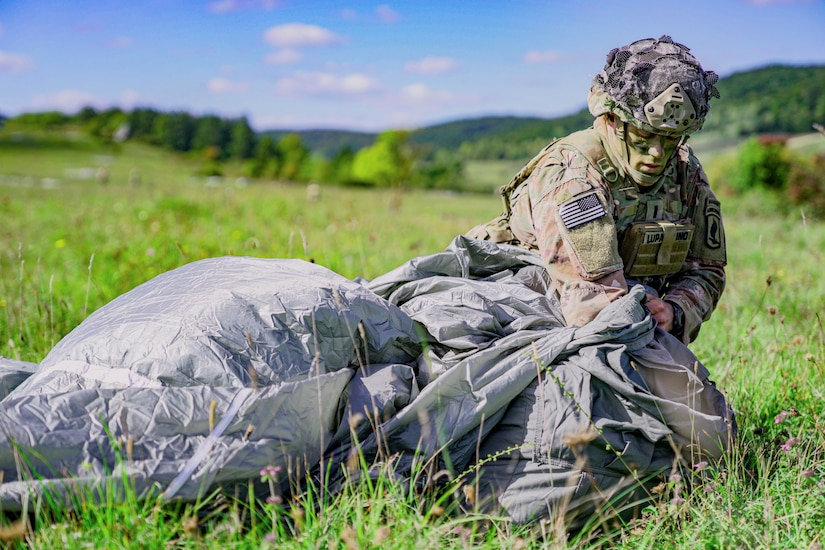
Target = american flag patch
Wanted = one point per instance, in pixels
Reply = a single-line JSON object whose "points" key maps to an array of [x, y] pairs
{"points": [[581, 211]]}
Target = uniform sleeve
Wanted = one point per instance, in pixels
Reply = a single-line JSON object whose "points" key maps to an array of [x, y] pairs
{"points": [[697, 287], [576, 237]]}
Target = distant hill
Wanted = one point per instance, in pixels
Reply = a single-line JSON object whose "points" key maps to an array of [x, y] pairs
{"points": [[499, 130], [775, 98], [327, 142]]}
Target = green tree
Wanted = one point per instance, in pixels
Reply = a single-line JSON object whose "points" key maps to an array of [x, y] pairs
{"points": [[340, 167], [174, 131], [141, 122], [85, 114], [242, 140], [266, 162], [386, 163], [106, 123], [293, 155], [211, 132], [48, 120]]}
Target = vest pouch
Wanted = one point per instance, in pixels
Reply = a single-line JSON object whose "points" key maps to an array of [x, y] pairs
{"points": [[651, 249], [497, 231]]}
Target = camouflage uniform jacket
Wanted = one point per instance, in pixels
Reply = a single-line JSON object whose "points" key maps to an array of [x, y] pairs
{"points": [[581, 248]]}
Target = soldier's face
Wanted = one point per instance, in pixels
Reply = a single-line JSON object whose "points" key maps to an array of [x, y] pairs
{"points": [[649, 152]]}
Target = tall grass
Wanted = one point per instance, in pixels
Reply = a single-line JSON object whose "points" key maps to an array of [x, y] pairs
{"points": [[68, 247]]}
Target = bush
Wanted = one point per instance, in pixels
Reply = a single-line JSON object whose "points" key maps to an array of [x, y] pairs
{"points": [[806, 186], [762, 164]]}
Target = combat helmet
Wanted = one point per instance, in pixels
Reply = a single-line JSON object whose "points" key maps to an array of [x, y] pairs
{"points": [[655, 85]]}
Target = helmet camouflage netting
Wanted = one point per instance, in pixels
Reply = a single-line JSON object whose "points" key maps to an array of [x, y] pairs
{"points": [[656, 85]]}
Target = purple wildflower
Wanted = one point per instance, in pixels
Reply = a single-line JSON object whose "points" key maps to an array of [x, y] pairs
{"points": [[699, 466], [780, 417], [790, 443], [270, 473], [808, 473]]}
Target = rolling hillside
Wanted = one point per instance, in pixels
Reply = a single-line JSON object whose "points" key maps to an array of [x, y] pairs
{"points": [[775, 99]]}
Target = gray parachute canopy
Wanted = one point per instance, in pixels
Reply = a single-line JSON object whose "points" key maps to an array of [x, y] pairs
{"points": [[206, 375]]}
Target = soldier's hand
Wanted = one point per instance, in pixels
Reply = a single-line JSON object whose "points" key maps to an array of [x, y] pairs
{"points": [[661, 311]]}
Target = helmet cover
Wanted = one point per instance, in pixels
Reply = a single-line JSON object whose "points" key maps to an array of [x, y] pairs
{"points": [[656, 85]]}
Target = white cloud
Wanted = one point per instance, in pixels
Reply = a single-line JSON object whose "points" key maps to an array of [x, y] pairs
{"points": [[228, 6], [534, 56], [129, 98], [283, 57], [121, 42], [14, 62], [298, 35], [218, 85], [326, 84], [67, 101], [431, 65], [421, 93], [386, 14]]}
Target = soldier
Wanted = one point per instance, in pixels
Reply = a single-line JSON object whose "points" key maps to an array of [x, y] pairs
{"points": [[625, 201]]}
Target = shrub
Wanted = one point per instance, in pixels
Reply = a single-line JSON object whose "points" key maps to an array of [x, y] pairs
{"points": [[806, 186], [762, 163]]}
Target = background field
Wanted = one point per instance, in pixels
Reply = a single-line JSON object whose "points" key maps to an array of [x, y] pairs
{"points": [[68, 245]]}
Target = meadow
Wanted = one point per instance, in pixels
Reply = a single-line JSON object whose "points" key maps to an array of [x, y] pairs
{"points": [[70, 244]]}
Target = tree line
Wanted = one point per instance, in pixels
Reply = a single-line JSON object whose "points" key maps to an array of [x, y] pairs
{"points": [[392, 160]]}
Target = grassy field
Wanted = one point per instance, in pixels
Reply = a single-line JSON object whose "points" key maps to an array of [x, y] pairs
{"points": [[68, 245]]}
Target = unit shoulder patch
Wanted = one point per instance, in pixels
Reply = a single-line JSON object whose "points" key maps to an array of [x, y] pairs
{"points": [[713, 222]]}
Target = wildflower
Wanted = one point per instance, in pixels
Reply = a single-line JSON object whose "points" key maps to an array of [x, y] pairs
{"points": [[808, 473], [150, 252], [274, 499], [790, 443], [270, 473], [463, 532], [699, 466], [780, 417], [60, 243], [271, 538], [710, 488], [676, 501], [674, 478]]}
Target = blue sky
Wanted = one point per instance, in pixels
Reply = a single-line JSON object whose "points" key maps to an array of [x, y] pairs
{"points": [[366, 65]]}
